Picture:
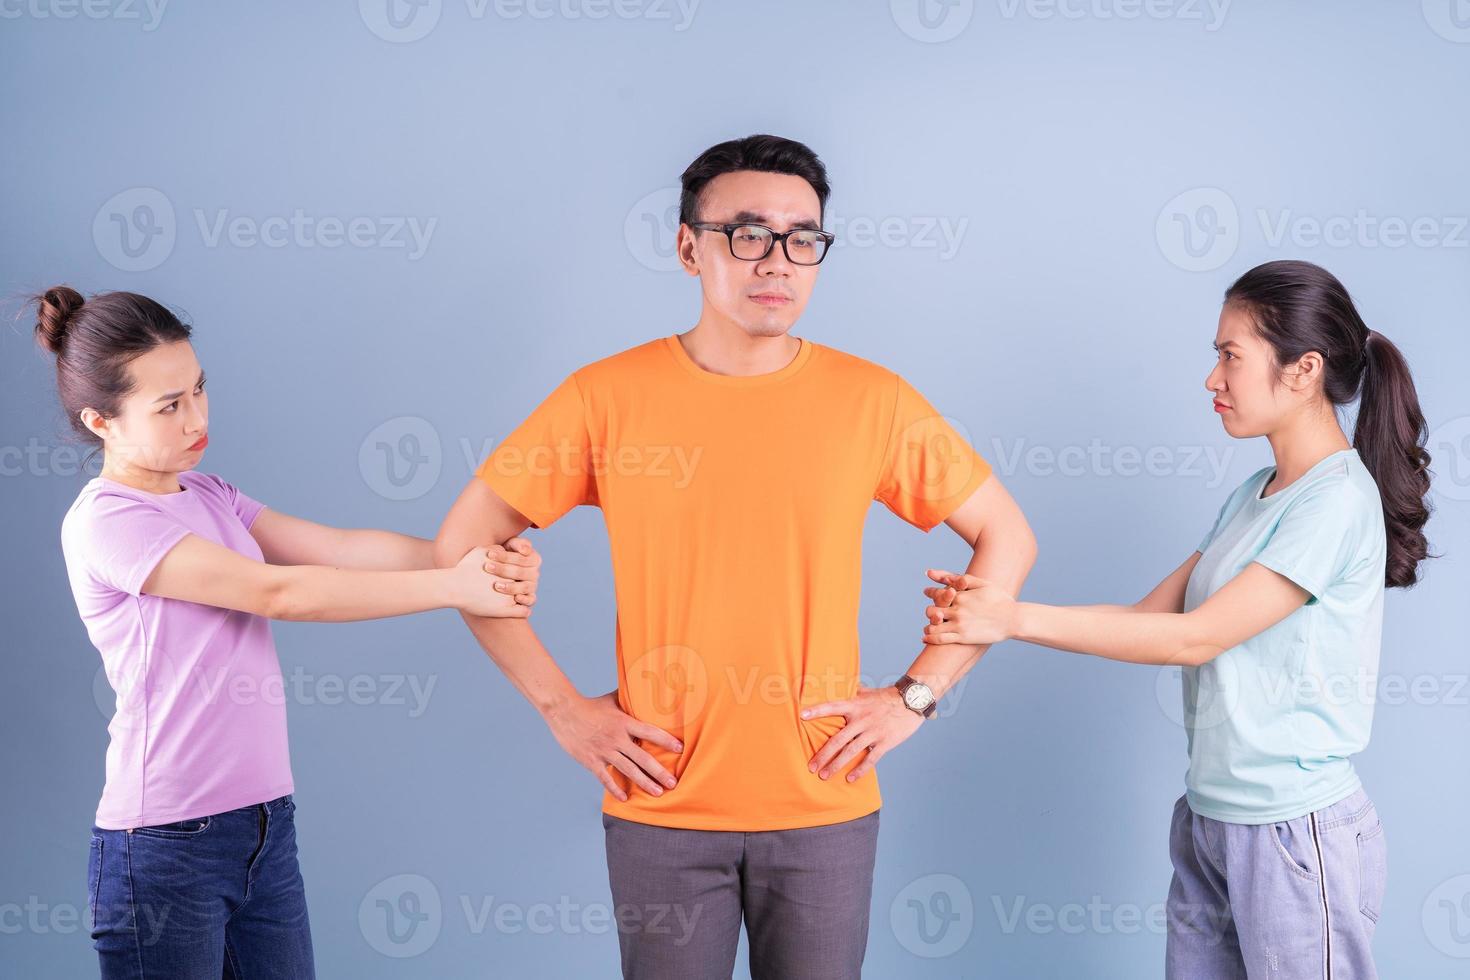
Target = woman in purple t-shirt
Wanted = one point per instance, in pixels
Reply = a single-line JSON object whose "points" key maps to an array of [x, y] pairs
{"points": [[176, 573]]}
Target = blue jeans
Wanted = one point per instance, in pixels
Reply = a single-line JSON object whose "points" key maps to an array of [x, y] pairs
{"points": [[217, 896], [1296, 898]]}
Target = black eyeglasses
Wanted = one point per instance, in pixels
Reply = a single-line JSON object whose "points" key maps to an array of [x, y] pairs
{"points": [[801, 246]]}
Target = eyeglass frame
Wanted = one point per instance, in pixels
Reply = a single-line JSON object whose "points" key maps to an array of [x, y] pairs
{"points": [[776, 236]]}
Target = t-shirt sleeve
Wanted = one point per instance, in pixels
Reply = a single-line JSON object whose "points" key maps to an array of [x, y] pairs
{"points": [[928, 467], [121, 540], [246, 508], [1315, 538], [542, 468], [1215, 528]]}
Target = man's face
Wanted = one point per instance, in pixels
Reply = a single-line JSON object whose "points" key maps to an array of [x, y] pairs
{"points": [[764, 297]]}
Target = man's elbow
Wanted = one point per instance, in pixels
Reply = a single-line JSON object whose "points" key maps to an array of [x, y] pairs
{"points": [[1015, 540], [478, 519], [449, 547], [1026, 548]]}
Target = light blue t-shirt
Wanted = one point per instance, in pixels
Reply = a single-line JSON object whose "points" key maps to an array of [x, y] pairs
{"points": [[1274, 721]]}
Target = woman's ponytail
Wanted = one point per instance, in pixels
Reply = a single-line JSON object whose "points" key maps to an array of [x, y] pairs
{"points": [[1390, 436]]}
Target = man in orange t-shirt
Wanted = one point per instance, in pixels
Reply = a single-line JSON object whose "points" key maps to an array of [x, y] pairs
{"points": [[735, 465]]}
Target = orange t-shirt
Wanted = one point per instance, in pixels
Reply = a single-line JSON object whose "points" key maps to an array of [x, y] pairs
{"points": [[734, 510]]}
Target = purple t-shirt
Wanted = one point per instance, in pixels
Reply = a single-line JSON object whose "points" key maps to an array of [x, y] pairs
{"points": [[200, 726]]}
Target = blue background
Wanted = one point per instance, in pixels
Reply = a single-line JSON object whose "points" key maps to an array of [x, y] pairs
{"points": [[1103, 171]]}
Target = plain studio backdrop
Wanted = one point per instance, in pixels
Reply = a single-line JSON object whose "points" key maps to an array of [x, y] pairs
{"points": [[396, 226]]}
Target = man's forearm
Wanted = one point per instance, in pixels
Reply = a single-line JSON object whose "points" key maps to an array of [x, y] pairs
{"points": [[942, 665], [479, 516], [519, 654]]}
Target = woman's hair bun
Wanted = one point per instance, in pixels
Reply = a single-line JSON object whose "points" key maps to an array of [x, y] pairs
{"points": [[54, 309]]}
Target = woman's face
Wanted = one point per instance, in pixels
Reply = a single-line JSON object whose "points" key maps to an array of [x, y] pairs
{"points": [[162, 424], [1250, 397]]}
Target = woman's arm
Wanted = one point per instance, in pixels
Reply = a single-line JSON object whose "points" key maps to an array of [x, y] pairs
{"points": [[287, 540], [199, 570], [1250, 603], [1167, 596]]}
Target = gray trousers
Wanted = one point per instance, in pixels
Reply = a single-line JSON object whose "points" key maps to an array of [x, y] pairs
{"points": [[679, 896], [1295, 900]]}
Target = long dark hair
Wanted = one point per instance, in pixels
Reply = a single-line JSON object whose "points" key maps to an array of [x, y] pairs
{"points": [[1299, 307], [94, 340]]}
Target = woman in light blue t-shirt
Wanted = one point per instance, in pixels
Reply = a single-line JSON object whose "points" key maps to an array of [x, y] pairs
{"points": [[1276, 619]]}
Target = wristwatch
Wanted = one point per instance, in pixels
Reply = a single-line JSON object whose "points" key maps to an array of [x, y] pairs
{"points": [[917, 696]]}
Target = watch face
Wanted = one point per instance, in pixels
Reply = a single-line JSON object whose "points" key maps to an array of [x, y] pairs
{"points": [[918, 696]]}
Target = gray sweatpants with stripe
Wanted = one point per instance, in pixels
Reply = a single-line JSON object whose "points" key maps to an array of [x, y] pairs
{"points": [[1295, 900]]}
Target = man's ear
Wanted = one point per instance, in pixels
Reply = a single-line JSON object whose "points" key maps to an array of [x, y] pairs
{"points": [[684, 246]]}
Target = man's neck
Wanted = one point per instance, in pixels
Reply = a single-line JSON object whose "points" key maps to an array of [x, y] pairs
{"points": [[727, 349]]}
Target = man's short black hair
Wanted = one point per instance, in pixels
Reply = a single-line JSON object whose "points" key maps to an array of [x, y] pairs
{"points": [[771, 154]]}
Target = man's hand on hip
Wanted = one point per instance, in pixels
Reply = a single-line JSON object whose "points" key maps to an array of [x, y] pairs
{"points": [[598, 733], [877, 720]]}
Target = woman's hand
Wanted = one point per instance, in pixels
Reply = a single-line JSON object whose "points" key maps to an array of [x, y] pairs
{"points": [[598, 733], [520, 565], [876, 721], [499, 581], [968, 610]]}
